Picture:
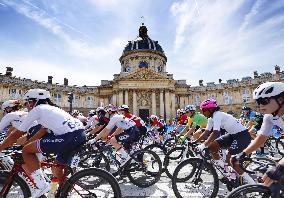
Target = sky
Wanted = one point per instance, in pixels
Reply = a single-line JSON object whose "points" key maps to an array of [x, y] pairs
{"points": [[83, 40]]}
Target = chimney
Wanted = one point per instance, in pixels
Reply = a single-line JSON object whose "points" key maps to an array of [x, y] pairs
{"points": [[9, 71], [200, 82], [65, 82], [220, 80], [49, 79], [277, 69], [255, 74]]}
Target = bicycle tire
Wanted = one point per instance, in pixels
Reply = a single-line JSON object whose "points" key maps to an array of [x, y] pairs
{"points": [[135, 164], [97, 172], [278, 144], [250, 188], [97, 159], [19, 182], [195, 163], [168, 159]]}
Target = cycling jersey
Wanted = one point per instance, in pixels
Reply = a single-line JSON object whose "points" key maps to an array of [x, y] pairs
{"points": [[13, 118], [102, 120], [121, 122], [136, 119], [158, 124], [268, 121], [53, 118], [183, 119], [225, 121], [197, 120], [92, 121]]}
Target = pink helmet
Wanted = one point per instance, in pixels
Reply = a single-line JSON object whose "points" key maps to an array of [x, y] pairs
{"points": [[209, 103]]}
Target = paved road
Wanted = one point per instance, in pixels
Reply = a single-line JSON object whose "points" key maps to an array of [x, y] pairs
{"points": [[161, 189]]}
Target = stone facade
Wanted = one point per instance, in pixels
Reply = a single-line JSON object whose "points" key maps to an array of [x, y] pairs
{"points": [[143, 84]]}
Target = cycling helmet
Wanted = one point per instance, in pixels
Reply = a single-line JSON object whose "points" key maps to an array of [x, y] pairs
{"points": [[39, 94], [182, 111], [153, 117], [92, 112], [178, 111], [208, 104], [123, 107], [75, 112], [10, 103], [101, 110], [110, 108], [190, 108], [268, 89], [246, 108]]}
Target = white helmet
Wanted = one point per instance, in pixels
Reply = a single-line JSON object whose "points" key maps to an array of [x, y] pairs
{"points": [[75, 112], [100, 109], [37, 94], [178, 111], [123, 107], [153, 117], [182, 110], [190, 108], [92, 112], [268, 89], [10, 103]]}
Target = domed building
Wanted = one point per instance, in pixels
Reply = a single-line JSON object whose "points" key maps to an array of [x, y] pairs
{"points": [[144, 84]]}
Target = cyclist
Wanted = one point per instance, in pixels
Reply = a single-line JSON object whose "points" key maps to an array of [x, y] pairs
{"points": [[12, 115], [247, 115], [125, 133], [124, 110], [270, 98], [196, 121], [181, 122], [92, 120], [236, 139], [79, 116], [102, 120], [159, 126], [68, 133]]}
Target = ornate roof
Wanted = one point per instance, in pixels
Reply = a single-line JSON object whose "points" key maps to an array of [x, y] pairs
{"points": [[143, 42], [144, 74]]}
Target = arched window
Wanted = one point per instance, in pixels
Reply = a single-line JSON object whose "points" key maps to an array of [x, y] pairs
{"points": [[57, 99], [90, 102]]}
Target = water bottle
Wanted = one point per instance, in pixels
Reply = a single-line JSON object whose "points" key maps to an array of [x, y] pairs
{"points": [[53, 187]]}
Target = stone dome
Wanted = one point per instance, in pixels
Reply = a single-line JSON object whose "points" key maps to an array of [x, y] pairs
{"points": [[143, 42]]}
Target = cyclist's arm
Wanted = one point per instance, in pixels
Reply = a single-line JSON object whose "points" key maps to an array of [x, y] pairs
{"points": [[212, 137], [118, 131], [203, 135], [38, 135], [96, 129], [256, 143], [184, 131], [11, 139]]}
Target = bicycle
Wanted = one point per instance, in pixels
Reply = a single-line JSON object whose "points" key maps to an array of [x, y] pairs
{"points": [[78, 184], [257, 190]]}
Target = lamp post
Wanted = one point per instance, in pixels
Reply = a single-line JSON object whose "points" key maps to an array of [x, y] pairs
{"points": [[70, 100]]}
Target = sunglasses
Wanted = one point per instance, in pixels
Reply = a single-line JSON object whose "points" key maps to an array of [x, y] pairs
{"points": [[263, 101]]}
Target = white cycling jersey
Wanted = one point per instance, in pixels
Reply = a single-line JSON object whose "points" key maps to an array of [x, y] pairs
{"points": [[14, 118], [121, 122], [225, 121], [268, 122], [53, 118], [92, 121]]}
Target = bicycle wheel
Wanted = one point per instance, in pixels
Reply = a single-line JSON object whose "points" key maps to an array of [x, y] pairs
{"points": [[144, 168], [280, 147], [157, 149], [92, 182], [197, 177], [250, 190], [172, 159], [17, 188], [90, 159]]}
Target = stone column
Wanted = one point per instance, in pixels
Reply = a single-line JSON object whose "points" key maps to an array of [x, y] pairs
{"points": [[168, 105], [181, 102], [186, 101], [154, 110], [126, 97], [120, 98], [162, 103], [173, 103], [114, 99], [134, 103]]}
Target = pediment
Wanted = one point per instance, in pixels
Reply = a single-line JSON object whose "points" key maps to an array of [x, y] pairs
{"points": [[144, 74]]}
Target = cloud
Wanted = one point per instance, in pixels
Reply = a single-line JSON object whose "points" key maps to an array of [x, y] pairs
{"points": [[210, 45]]}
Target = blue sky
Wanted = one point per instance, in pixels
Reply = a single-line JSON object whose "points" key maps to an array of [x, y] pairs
{"points": [[83, 40]]}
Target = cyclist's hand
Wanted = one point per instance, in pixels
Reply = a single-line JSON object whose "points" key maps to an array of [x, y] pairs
{"points": [[273, 174], [92, 141], [238, 157]]}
